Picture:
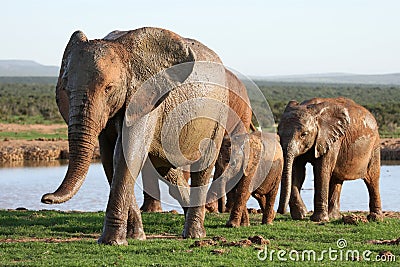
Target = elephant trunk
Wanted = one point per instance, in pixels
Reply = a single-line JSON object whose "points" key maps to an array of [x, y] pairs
{"points": [[286, 184], [82, 138]]}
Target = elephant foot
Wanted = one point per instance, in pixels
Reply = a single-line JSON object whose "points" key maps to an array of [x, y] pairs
{"points": [[212, 207], [281, 210], [375, 217], [137, 233], [266, 220], [232, 224], [335, 215], [194, 231], [245, 224], [114, 232], [320, 217], [227, 209], [194, 223], [298, 213], [107, 239], [151, 205]]}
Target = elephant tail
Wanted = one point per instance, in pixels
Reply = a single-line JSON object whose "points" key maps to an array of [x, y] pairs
{"points": [[253, 127]]}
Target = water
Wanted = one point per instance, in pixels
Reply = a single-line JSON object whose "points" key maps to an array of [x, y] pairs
{"points": [[24, 186]]}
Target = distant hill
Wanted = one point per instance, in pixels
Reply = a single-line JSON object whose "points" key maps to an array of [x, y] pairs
{"points": [[29, 68], [25, 68], [338, 78], [28, 80]]}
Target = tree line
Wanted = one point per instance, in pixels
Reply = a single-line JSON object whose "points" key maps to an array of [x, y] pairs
{"points": [[32, 100]]}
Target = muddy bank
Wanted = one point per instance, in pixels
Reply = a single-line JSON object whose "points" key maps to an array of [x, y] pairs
{"points": [[390, 149], [48, 150], [15, 151], [36, 150]]}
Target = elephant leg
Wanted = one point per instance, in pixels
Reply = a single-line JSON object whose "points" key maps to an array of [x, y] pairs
{"points": [[335, 188], [221, 202], [107, 145], [230, 199], [122, 200], [245, 221], [372, 182], [322, 176], [135, 225], [195, 213], [298, 210], [216, 193], [268, 211], [239, 206], [262, 201], [231, 189], [151, 202], [178, 185]]}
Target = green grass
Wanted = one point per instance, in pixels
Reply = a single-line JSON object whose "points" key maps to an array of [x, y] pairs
{"points": [[28, 119], [285, 234], [32, 135]]}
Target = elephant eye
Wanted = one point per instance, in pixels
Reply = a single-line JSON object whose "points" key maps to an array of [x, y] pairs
{"points": [[304, 134], [108, 88]]}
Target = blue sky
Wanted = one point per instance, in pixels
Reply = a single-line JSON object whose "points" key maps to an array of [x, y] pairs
{"points": [[252, 37]]}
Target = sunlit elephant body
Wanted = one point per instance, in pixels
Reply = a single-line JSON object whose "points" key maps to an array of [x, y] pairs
{"points": [[98, 81], [238, 122], [260, 177], [340, 139]]}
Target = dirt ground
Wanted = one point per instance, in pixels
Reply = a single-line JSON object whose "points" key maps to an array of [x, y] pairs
{"points": [[390, 149], [42, 149], [35, 150], [40, 128]]}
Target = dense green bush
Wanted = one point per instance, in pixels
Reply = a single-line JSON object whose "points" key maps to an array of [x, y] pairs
{"points": [[28, 103], [32, 100]]}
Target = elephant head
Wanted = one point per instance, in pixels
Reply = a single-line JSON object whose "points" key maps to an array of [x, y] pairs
{"points": [[310, 127], [236, 157], [96, 82]]}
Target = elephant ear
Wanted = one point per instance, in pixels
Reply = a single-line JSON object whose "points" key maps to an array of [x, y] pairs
{"points": [[252, 157], [291, 105], [62, 98], [152, 52], [332, 121]]}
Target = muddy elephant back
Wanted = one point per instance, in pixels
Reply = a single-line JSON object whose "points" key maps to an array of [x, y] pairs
{"points": [[239, 119], [183, 131], [202, 52]]}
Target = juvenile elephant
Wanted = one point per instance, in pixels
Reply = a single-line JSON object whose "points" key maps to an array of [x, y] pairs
{"points": [[124, 90], [340, 139], [259, 163]]}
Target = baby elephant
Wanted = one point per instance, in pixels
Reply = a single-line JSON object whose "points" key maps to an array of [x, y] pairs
{"points": [[258, 159]]}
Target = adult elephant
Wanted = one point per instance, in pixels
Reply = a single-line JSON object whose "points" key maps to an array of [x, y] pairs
{"points": [[102, 82], [238, 123], [340, 139]]}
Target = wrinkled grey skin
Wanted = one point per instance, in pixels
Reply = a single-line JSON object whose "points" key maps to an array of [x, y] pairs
{"points": [[97, 81], [261, 172], [238, 122], [340, 139]]}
